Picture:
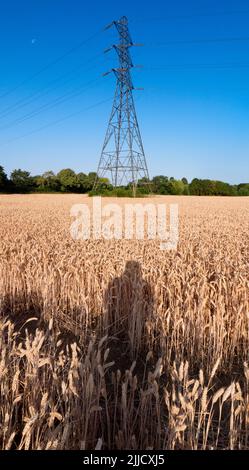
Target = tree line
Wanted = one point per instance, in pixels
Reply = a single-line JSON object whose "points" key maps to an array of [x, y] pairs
{"points": [[67, 181]]}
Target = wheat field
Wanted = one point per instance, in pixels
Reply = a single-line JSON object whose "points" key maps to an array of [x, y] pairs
{"points": [[117, 344]]}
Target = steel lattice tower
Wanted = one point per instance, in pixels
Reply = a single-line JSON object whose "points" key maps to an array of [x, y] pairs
{"points": [[122, 158]]}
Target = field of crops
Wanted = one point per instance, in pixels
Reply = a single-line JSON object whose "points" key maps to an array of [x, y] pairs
{"points": [[118, 344]]}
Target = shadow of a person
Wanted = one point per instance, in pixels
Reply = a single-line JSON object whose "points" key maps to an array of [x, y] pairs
{"points": [[128, 306]]}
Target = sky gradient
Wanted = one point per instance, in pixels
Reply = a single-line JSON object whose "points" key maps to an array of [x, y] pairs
{"points": [[193, 112]]}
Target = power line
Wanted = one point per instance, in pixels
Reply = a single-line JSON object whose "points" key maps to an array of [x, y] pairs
{"points": [[53, 123], [194, 15], [197, 41], [199, 66], [42, 94], [52, 63], [51, 104], [37, 94], [24, 102]]}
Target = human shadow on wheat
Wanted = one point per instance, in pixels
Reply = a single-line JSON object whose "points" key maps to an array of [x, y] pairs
{"points": [[128, 305]]}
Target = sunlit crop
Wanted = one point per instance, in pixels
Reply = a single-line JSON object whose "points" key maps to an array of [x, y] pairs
{"points": [[118, 344]]}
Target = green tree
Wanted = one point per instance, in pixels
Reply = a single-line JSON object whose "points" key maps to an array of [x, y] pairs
{"points": [[104, 183], [51, 181], [224, 189], [92, 177], [47, 182], [177, 187], [21, 180], [243, 189], [211, 188], [184, 180], [160, 184], [144, 186], [201, 187], [144, 183], [68, 180], [3, 180], [86, 183], [83, 182]]}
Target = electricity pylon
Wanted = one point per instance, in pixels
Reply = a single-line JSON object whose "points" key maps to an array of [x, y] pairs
{"points": [[122, 158]]}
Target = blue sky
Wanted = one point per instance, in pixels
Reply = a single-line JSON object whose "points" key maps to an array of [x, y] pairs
{"points": [[193, 112]]}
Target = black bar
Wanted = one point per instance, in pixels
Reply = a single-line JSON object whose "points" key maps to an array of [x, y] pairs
{"points": [[122, 459]]}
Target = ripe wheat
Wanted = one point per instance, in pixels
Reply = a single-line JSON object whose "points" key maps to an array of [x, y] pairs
{"points": [[93, 355]]}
